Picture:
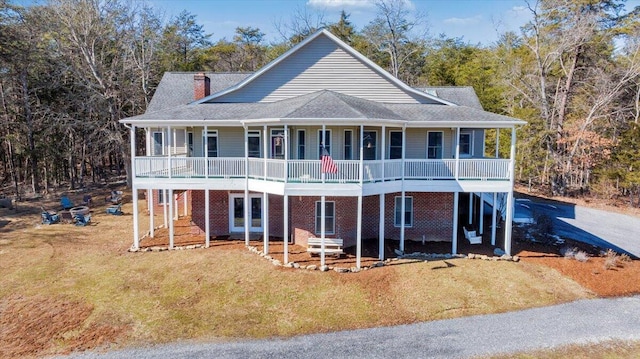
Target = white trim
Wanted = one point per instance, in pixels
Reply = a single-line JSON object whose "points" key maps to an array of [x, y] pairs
{"points": [[247, 213], [345, 47], [396, 223], [253, 134], [315, 218], [272, 136], [205, 142], [470, 134], [162, 143]]}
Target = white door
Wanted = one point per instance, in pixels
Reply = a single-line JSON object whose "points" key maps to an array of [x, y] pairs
{"points": [[236, 213]]}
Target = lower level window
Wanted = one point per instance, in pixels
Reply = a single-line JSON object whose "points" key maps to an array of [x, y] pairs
{"points": [[329, 217], [408, 212]]}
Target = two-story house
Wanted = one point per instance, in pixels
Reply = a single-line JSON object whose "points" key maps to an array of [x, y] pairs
{"points": [[246, 150]]}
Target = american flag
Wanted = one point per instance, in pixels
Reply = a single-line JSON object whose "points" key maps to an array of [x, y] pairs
{"points": [[326, 162]]}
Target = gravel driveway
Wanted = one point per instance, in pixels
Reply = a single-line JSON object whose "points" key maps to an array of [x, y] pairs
{"points": [[584, 321], [600, 228]]}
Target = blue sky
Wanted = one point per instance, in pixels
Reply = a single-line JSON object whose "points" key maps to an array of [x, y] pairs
{"points": [[476, 21]]}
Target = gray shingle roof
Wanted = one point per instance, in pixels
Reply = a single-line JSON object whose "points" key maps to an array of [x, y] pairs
{"points": [[176, 88], [460, 95], [323, 105]]}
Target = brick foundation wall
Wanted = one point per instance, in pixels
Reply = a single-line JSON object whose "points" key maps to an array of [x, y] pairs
{"points": [[433, 214]]}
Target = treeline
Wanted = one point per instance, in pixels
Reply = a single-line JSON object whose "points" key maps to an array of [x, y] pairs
{"points": [[70, 69]]}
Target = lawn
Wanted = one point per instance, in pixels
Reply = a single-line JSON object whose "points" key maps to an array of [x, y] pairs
{"points": [[65, 288]]}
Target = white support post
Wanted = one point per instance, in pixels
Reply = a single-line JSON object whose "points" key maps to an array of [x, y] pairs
{"points": [[497, 143], [457, 170], [383, 150], [165, 196], [246, 186], [175, 207], [381, 229], [265, 150], [169, 151], [359, 232], [454, 238], [265, 221], [134, 189], [171, 220], [402, 219], [470, 207], [205, 138], [361, 155], [509, 215], [207, 219], [286, 229], [185, 199], [285, 142], [403, 205], [147, 138], [322, 225], [481, 220], [151, 214], [494, 215]]}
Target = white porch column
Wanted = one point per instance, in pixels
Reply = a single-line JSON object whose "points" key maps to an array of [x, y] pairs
{"points": [[403, 205], [265, 149], [207, 225], [322, 226], [265, 221], [246, 186], [494, 212], [205, 139], [285, 142], [457, 171], [381, 229], [285, 229], [185, 199], [147, 138], [169, 169], [454, 239], [176, 209], [402, 219], [383, 150], [470, 207], [497, 143], [165, 208], [481, 221], [151, 209], [359, 232], [171, 220], [509, 215], [134, 190]]}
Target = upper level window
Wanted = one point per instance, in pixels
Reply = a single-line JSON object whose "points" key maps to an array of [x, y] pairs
{"points": [[434, 145], [301, 144], [277, 144], [254, 144], [158, 143], [326, 142], [369, 141], [348, 144], [212, 143], [395, 144], [465, 144]]}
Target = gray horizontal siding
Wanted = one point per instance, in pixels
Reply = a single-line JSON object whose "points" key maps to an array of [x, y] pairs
{"points": [[321, 65]]}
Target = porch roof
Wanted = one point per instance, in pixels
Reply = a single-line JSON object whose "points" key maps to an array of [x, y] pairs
{"points": [[322, 107]]}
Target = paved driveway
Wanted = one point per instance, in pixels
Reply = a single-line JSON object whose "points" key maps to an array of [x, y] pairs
{"points": [[584, 321], [601, 228]]}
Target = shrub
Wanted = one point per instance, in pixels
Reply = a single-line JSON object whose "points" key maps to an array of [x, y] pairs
{"points": [[581, 256], [543, 223], [613, 260], [568, 252]]}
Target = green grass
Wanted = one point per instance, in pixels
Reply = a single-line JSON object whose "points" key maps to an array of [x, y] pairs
{"points": [[222, 294]]}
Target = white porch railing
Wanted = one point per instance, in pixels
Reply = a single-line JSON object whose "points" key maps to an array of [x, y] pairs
{"points": [[309, 171]]}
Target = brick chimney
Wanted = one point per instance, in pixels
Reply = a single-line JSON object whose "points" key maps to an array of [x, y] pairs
{"points": [[201, 86]]}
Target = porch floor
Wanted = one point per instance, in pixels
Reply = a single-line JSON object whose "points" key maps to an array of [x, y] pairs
{"points": [[186, 233]]}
